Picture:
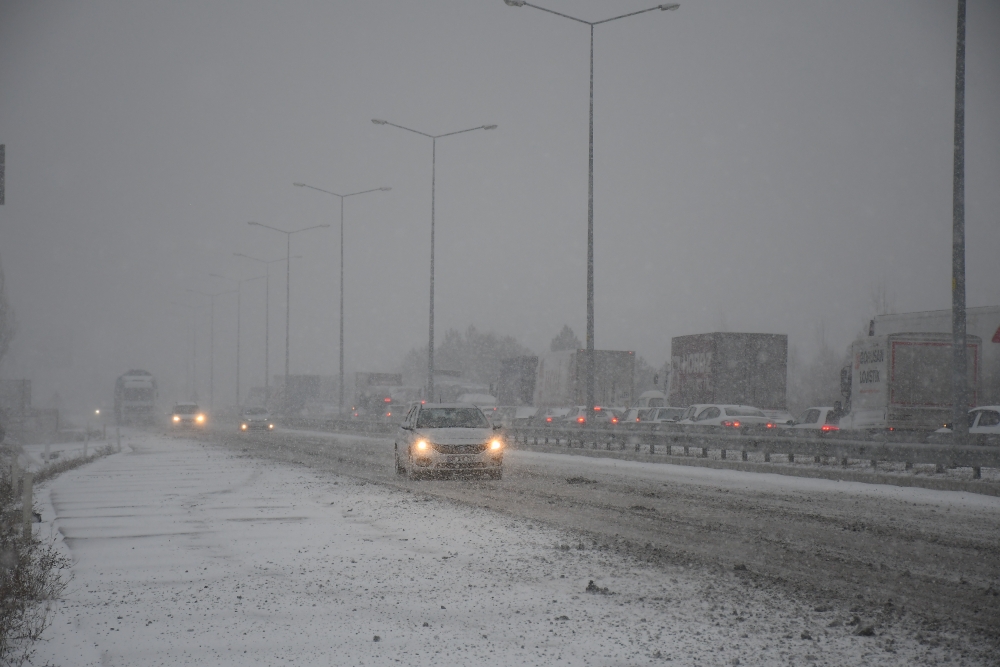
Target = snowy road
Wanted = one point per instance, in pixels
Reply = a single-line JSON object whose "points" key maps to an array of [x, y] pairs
{"points": [[936, 551], [186, 553]]}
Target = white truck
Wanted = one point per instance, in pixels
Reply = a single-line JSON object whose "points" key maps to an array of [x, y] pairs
{"points": [[902, 381]]}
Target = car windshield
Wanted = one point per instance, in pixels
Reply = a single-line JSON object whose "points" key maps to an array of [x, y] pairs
{"points": [[185, 409], [451, 418], [744, 412], [255, 411]]}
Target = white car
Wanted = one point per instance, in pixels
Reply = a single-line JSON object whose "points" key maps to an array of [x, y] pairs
{"points": [[983, 419], [742, 418], [661, 415], [436, 438], [817, 419]]}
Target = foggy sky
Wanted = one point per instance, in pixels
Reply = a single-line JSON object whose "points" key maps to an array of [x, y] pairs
{"points": [[759, 166]]}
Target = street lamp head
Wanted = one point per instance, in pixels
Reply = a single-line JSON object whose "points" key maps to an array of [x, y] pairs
{"points": [[255, 223], [380, 122], [514, 3], [385, 189], [299, 185], [670, 7], [322, 225], [489, 127]]}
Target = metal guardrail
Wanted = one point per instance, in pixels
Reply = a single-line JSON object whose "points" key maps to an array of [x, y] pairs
{"points": [[359, 426], [818, 446]]}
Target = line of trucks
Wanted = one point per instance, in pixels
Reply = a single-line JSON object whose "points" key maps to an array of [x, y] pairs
{"points": [[898, 377]]}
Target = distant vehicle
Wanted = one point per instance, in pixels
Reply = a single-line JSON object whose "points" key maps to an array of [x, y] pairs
{"points": [[824, 419], [634, 415], [256, 419], [562, 378], [661, 415], [729, 368], [650, 399], [448, 438], [188, 415], [903, 381], [135, 398], [742, 418], [602, 416], [551, 416], [983, 419], [509, 415], [780, 417]]}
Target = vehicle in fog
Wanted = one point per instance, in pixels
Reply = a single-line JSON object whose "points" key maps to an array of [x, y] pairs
{"points": [[256, 419], [903, 381], [510, 415], [551, 416], [823, 419], [661, 415], [448, 438], [135, 398], [729, 368], [562, 378], [741, 418], [982, 420], [650, 399], [188, 415]]}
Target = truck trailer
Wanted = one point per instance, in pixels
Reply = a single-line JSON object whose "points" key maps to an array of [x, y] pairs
{"points": [[562, 378], [902, 381], [734, 368], [135, 398]]}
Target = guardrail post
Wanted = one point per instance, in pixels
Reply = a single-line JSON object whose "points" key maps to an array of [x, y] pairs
{"points": [[118, 437], [817, 459], [767, 457], [977, 472], [652, 448], [909, 465], [27, 510], [85, 449], [686, 453], [723, 454], [704, 452], [791, 458], [874, 464], [744, 455], [46, 454], [939, 468], [843, 462]]}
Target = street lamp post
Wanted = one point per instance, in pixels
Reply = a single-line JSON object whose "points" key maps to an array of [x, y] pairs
{"points": [[960, 370], [267, 316], [433, 138], [288, 285], [192, 367], [211, 341], [239, 308], [590, 191], [342, 198]]}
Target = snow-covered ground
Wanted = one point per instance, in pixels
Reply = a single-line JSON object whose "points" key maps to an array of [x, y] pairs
{"points": [[185, 553]]}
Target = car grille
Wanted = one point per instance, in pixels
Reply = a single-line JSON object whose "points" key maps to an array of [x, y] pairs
{"points": [[459, 449]]}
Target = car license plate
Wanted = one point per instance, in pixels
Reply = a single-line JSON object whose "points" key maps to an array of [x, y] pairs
{"points": [[458, 458]]}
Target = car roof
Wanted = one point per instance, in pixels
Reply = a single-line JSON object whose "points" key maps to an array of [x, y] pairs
{"points": [[447, 405]]}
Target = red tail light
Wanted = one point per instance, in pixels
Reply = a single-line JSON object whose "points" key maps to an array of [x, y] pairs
{"points": [[829, 427], [770, 425], [581, 419], [614, 420], [733, 424], [548, 419], [387, 400], [597, 408]]}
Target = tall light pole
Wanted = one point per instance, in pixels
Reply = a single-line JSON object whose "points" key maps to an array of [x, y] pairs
{"points": [[192, 367], [267, 316], [288, 285], [590, 191], [239, 307], [960, 369], [433, 138], [342, 198], [211, 341]]}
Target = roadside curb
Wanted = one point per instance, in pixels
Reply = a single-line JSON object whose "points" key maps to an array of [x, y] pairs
{"points": [[982, 488]]}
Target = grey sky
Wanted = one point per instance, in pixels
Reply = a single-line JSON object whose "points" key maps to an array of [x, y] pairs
{"points": [[759, 166]]}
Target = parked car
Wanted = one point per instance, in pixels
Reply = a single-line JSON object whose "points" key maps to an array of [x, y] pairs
{"points": [[448, 438], [742, 418], [256, 419], [824, 419], [188, 415], [661, 415], [650, 399], [635, 415]]}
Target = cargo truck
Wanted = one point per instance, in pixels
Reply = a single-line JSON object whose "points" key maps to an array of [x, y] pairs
{"points": [[902, 381], [135, 398], [731, 368], [983, 322], [562, 378]]}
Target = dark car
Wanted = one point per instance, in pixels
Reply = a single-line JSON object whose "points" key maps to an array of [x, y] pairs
{"points": [[256, 419]]}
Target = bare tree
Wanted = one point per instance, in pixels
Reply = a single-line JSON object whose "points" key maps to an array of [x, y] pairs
{"points": [[883, 301], [8, 325], [566, 340]]}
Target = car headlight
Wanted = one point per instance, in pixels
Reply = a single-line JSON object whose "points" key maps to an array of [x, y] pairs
{"points": [[200, 418], [243, 426], [270, 425], [177, 418], [496, 445], [422, 445]]}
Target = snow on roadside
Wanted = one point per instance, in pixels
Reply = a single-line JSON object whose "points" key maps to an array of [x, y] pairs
{"points": [[188, 554]]}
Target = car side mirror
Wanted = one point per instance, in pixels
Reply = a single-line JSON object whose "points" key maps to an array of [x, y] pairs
{"points": [[790, 422], [497, 427], [406, 427]]}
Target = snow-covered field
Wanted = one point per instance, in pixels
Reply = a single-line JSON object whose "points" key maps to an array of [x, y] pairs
{"points": [[185, 553]]}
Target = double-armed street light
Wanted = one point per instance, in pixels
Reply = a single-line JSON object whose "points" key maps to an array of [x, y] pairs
{"points": [[590, 195], [342, 198], [267, 315], [211, 341], [288, 284], [433, 138], [239, 302]]}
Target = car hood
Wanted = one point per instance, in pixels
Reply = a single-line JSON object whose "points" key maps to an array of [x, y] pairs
{"points": [[455, 436]]}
